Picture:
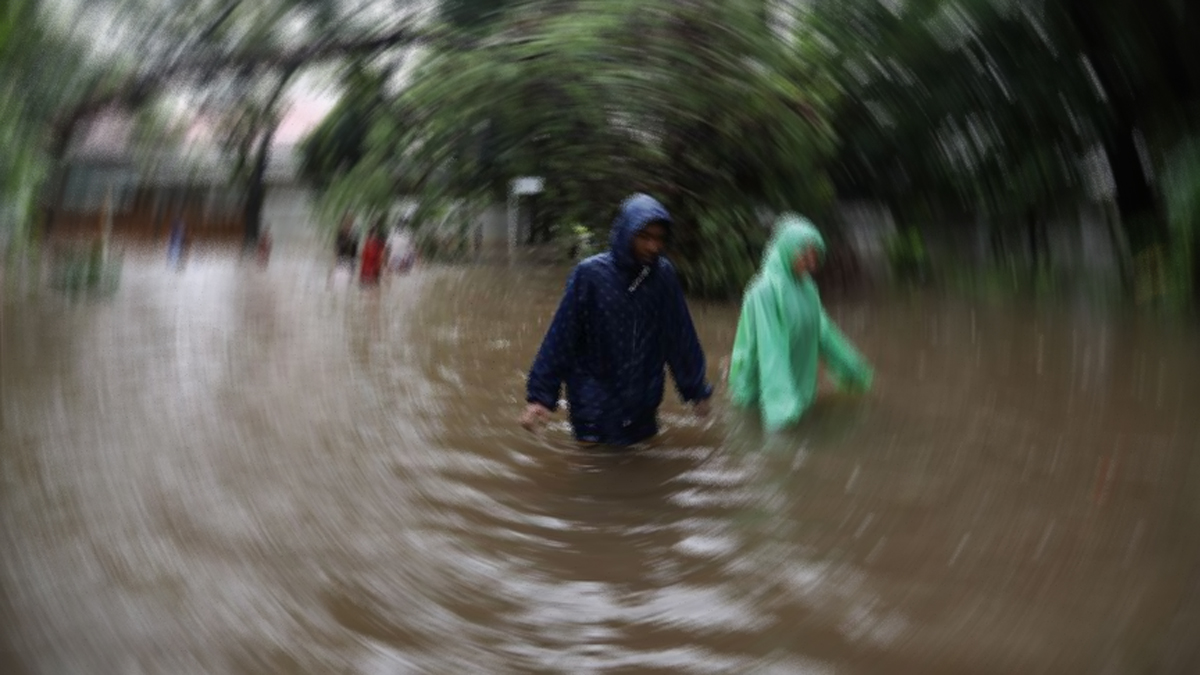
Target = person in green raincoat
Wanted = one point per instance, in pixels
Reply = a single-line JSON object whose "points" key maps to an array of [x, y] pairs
{"points": [[783, 334]]}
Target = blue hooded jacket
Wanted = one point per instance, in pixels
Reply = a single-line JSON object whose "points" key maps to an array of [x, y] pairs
{"points": [[619, 325]]}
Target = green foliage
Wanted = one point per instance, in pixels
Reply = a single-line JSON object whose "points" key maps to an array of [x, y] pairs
{"points": [[474, 15], [721, 109], [576, 240], [340, 142], [960, 101], [725, 254], [1181, 194], [907, 256], [697, 103], [85, 268], [444, 229], [1181, 188], [39, 74], [992, 106]]}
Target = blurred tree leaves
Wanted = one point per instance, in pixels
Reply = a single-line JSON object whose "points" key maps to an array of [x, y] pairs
{"points": [[41, 72], [722, 109], [1000, 106], [696, 103]]}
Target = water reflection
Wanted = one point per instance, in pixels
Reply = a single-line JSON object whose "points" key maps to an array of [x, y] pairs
{"points": [[246, 471]]}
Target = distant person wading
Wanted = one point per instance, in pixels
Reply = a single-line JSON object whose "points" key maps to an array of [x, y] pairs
{"points": [[345, 248], [177, 243], [401, 252], [372, 257]]}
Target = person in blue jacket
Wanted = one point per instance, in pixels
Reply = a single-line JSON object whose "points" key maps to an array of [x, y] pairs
{"points": [[621, 323]]}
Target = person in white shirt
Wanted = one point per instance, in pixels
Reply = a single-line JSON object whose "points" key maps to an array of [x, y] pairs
{"points": [[401, 252]]}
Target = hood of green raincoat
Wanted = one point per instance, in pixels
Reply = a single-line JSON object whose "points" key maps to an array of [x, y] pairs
{"points": [[793, 233], [636, 212]]}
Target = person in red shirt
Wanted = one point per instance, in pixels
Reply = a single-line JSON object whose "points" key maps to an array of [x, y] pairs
{"points": [[263, 251], [372, 257]]}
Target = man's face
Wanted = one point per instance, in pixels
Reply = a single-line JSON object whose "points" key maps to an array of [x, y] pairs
{"points": [[649, 243], [806, 262]]}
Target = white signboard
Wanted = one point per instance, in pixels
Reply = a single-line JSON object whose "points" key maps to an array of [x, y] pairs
{"points": [[527, 186]]}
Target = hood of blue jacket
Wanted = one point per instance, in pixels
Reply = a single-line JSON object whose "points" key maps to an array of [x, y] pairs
{"points": [[636, 212]]}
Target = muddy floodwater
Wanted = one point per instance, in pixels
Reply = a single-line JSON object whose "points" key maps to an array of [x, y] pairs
{"points": [[245, 471]]}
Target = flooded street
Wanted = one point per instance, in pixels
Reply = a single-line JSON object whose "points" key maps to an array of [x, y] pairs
{"points": [[245, 471]]}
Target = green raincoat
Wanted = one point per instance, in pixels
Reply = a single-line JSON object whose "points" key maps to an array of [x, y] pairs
{"points": [[783, 335]]}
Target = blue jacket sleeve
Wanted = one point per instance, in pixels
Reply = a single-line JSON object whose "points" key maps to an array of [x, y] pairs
{"points": [[554, 358], [685, 357]]}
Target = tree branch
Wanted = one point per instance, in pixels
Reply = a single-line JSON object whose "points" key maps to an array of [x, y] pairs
{"points": [[138, 89]]}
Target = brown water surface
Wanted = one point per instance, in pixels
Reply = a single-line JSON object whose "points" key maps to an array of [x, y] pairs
{"points": [[234, 470]]}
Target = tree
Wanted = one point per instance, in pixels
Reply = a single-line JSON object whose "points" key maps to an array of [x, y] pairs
{"points": [[41, 71], [611, 98], [252, 117], [339, 143], [991, 105], [237, 53]]}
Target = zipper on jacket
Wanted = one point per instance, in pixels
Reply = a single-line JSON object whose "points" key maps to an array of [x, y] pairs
{"points": [[626, 421], [640, 278]]}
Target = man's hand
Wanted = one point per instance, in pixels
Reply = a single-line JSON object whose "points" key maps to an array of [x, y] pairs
{"points": [[535, 417], [702, 409]]}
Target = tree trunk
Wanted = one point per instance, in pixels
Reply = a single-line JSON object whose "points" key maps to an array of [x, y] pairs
{"points": [[1195, 272], [1035, 258], [998, 251], [256, 189], [1135, 198], [1120, 247], [58, 168], [1141, 220]]}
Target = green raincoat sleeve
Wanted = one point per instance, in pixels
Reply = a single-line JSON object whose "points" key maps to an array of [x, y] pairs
{"points": [[845, 365]]}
